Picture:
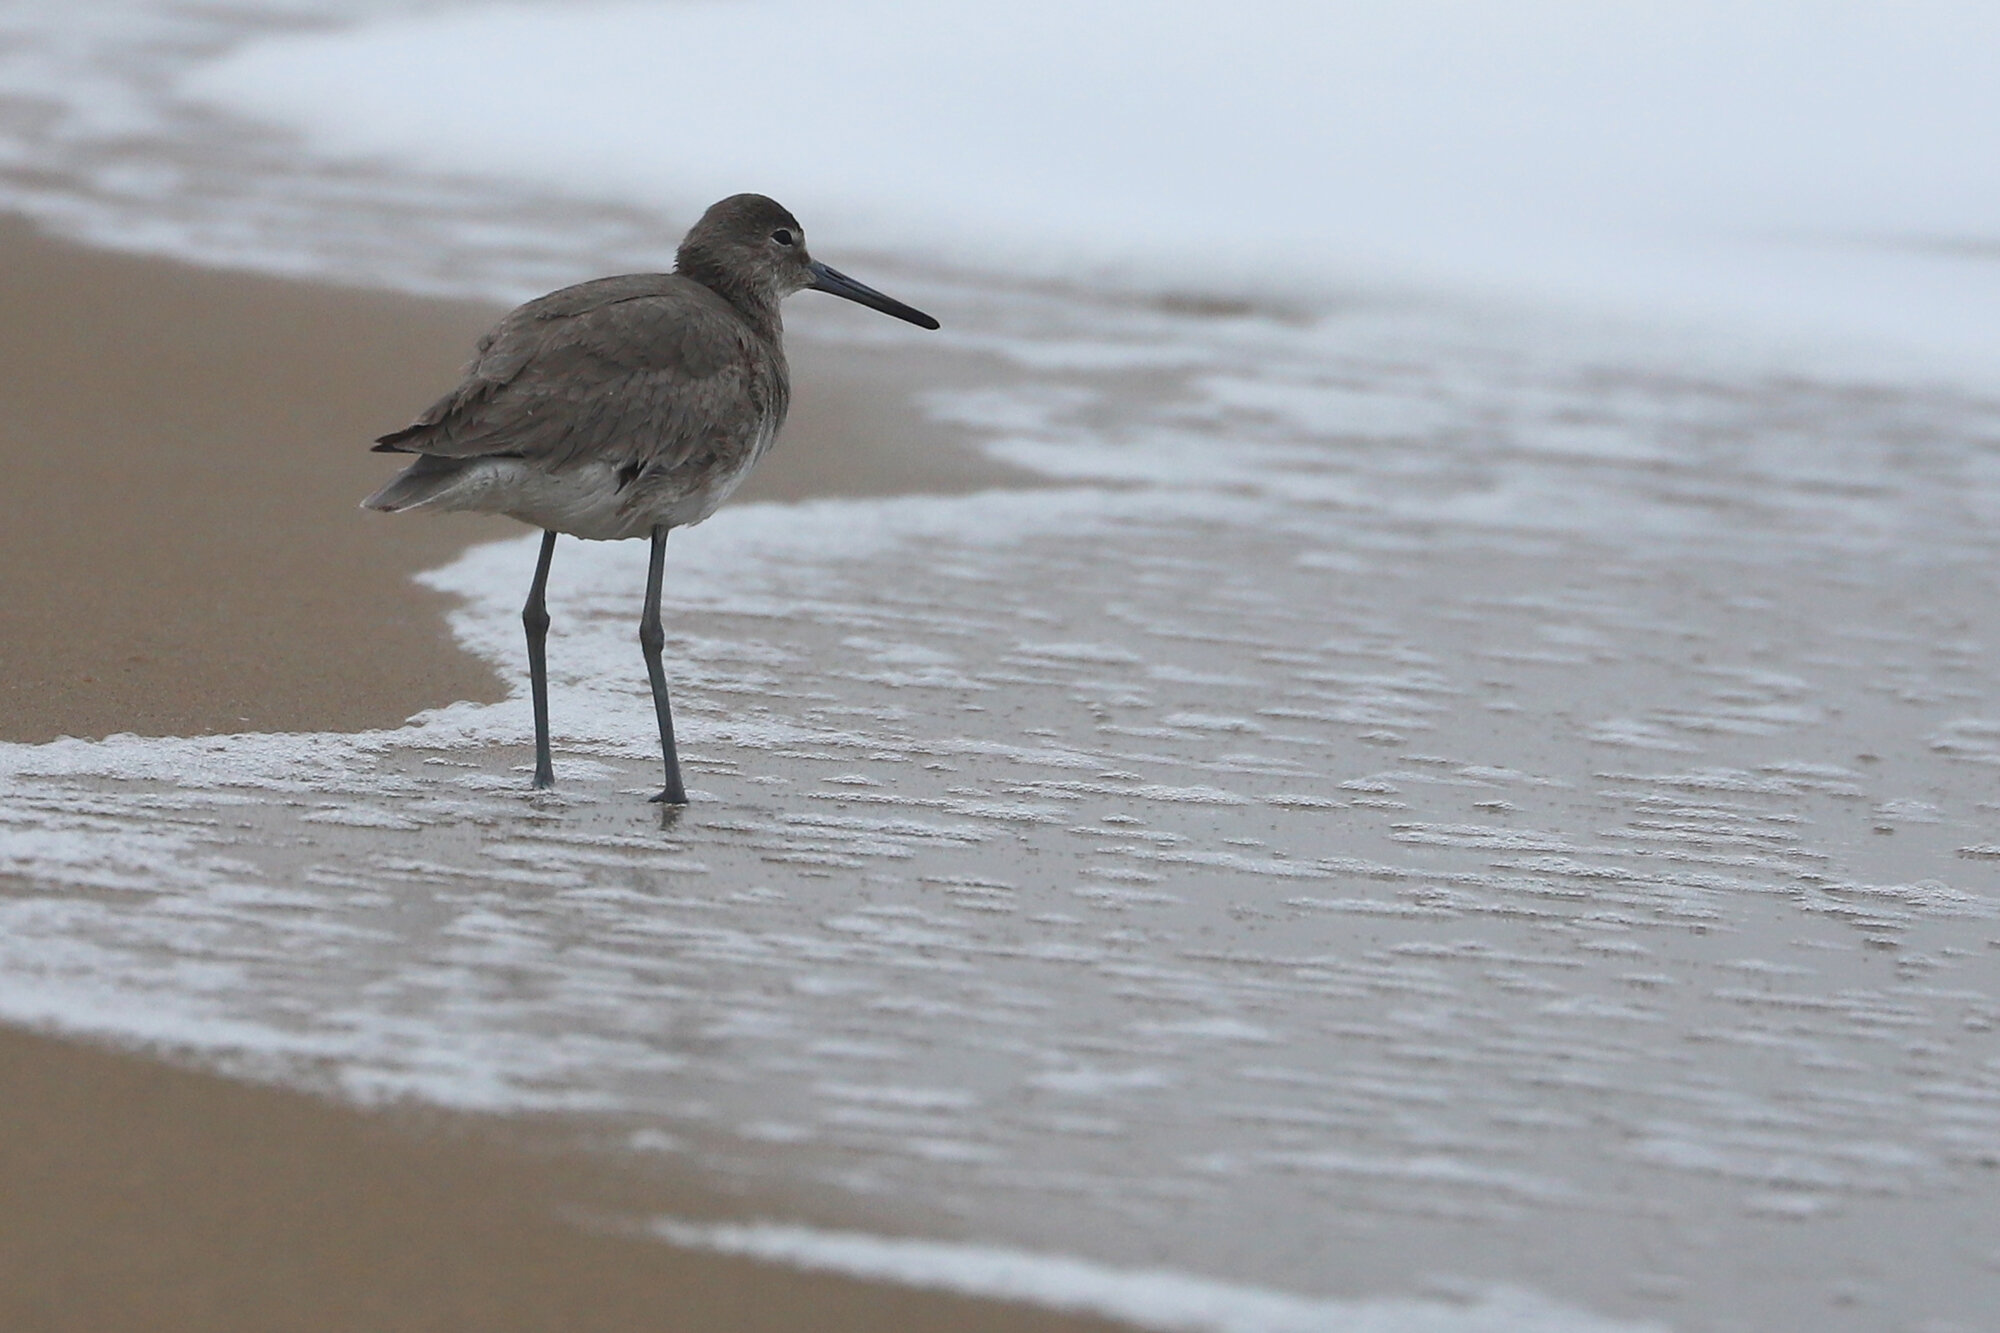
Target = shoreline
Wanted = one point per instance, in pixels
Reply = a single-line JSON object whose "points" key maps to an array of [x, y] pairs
{"points": [[184, 555], [186, 451], [1363, 854], [146, 1195]]}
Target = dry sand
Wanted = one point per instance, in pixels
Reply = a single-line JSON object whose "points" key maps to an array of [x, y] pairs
{"points": [[181, 553]]}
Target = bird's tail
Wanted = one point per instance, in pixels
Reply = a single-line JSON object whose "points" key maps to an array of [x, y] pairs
{"points": [[418, 484]]}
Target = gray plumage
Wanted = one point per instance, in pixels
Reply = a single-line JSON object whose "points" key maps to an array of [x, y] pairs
{"points": [[626, 406], [602, 408]]}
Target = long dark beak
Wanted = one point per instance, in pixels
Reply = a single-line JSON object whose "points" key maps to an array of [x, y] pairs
{"points": [[833, 280]]}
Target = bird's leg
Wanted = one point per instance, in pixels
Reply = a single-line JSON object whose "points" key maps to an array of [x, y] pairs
{"points": [[535, 616], [651, 639]]}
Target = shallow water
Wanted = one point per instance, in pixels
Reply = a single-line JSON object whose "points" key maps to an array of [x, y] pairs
{"points": [[1445, 814], [1429, 798]]}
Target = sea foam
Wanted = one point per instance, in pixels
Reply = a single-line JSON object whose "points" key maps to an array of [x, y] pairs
{"points": [[1795, 167]]}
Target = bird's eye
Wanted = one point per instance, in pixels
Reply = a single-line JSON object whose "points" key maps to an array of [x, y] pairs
{"points": [[783, 236]]}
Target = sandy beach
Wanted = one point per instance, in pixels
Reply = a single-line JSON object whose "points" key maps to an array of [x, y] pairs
{"points": [[1417, 756], [1406, 811], [183, 555], [182, 447], [184, 451], [144, 1196]]}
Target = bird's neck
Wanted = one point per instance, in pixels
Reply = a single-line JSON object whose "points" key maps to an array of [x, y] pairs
{"points": [[754, 302]]}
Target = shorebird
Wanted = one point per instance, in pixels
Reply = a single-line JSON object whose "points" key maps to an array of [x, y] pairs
{"points": [[625, 407]]}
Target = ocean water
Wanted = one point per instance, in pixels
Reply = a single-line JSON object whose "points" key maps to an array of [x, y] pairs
{"points": [[1441, 797]]}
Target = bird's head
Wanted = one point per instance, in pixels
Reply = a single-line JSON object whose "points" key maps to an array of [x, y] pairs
{"points": [[751, 246]]}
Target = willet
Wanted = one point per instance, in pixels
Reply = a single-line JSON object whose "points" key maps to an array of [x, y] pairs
{"points": [[625, 407]]}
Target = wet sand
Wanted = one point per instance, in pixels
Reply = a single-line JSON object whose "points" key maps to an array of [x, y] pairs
{"points": [[143, 1196], [182, 554], [1454, 804]]}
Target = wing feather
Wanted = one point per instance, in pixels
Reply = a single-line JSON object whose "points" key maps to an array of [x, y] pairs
{"points": [[648, 370]]}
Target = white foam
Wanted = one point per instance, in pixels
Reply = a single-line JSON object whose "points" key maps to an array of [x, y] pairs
{"points": [[1325, 693], [1149, 686], [1797, 166], [1149, 1298]]}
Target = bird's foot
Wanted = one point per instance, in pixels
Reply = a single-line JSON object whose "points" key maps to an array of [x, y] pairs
{"points": [[669, 798]]}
